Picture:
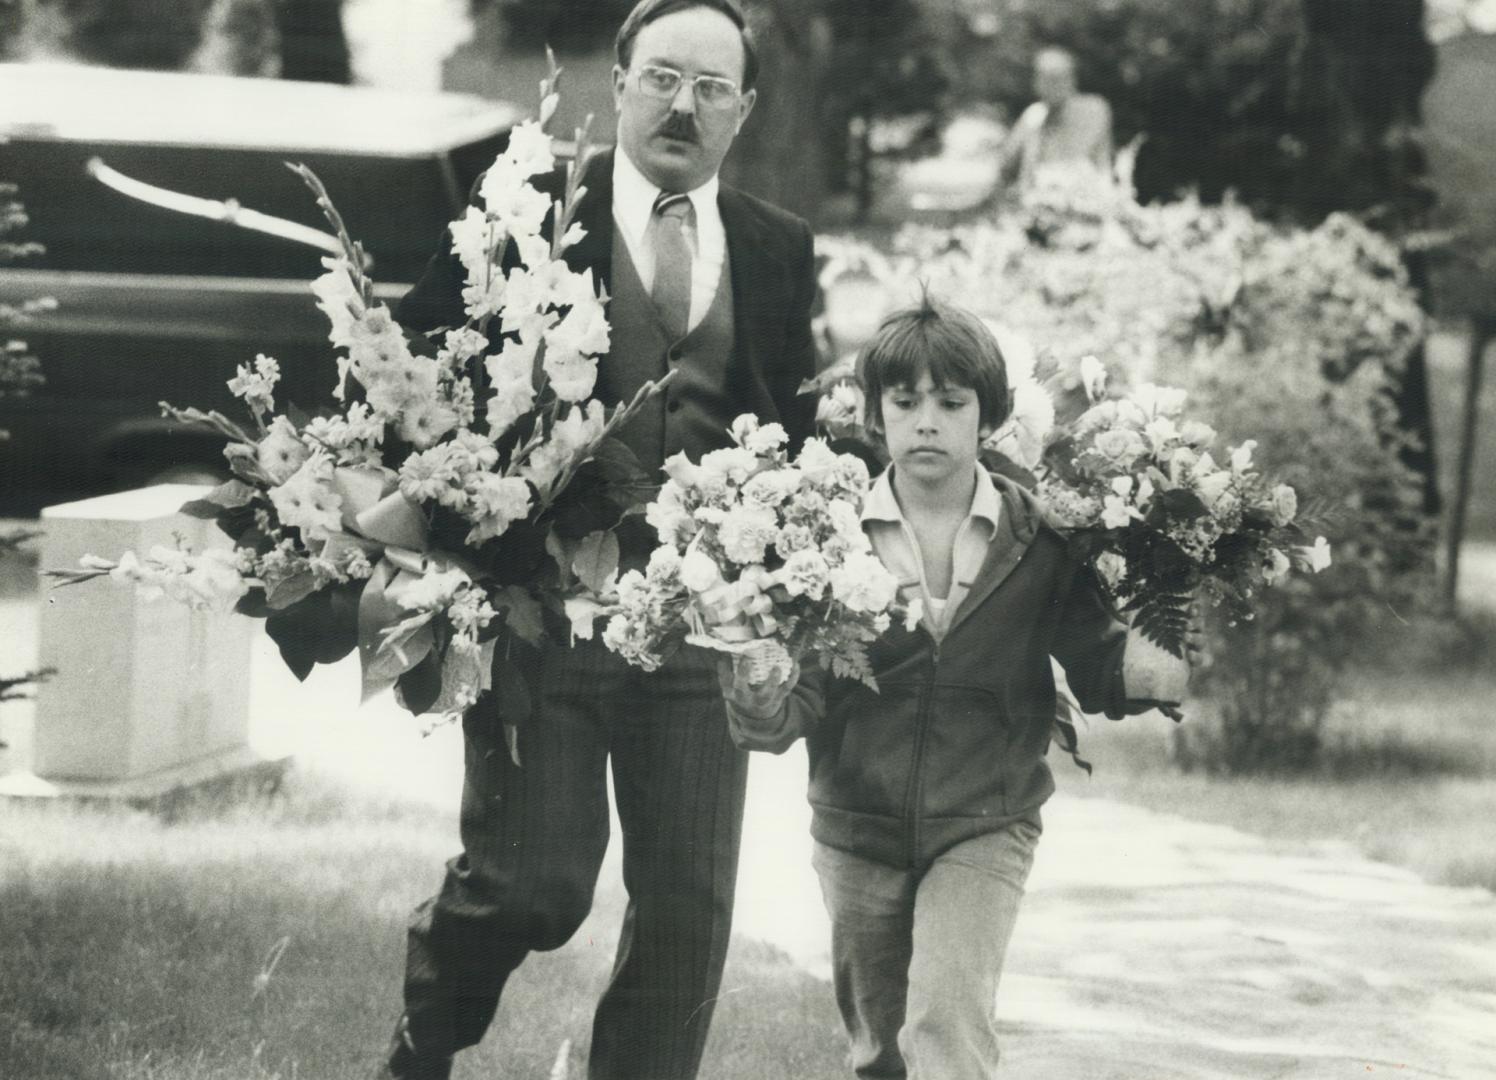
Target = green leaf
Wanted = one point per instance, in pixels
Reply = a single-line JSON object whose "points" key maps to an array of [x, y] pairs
{"points": [[596, 561], [422, 685], [522, 614], [291, 590], [320, 629], [253, 604], [562, 550]]}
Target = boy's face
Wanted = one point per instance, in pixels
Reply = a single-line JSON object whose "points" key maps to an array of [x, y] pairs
{"points": [[932, 432]]}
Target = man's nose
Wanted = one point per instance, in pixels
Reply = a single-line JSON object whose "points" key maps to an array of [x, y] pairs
{"points": [[928, 417], [684, 100]]}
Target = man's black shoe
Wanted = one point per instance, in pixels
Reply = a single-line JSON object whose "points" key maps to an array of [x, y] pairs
{"points": [[402, 1062]]}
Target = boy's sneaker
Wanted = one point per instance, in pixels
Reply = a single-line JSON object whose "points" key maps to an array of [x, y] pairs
{"points": [[402, 1062]]}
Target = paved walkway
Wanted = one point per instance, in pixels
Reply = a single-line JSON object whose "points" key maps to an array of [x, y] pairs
{"points": [[1150, 947]]}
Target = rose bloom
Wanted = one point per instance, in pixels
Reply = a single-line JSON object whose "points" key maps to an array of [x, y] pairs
{"points": [[1120, 447], [1285, 504]]}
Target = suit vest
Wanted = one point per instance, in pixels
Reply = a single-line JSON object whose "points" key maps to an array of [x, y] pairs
{"points": [[694, 412]]}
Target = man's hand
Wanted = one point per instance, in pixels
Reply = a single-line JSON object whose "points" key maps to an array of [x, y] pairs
{"points": [[755, 701]]}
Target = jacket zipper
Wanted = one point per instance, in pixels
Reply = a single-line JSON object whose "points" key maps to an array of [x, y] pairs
{"points": [[911, 798]]}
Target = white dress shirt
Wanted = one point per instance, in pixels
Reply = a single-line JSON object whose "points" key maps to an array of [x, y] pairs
{"points": [[633, 204], [896, 545]]}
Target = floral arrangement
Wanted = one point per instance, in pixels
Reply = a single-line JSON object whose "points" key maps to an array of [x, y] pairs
{"points": [[467, 481], [759, 554], [1135, 487]]}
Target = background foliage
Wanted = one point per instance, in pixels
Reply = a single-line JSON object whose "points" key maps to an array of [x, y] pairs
{"points": [[1298, 338]]}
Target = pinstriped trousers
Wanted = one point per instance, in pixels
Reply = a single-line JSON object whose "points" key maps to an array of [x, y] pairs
{"points": [[533, 838]]}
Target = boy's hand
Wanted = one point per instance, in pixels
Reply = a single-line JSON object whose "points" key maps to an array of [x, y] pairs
{"points": [[1151, 673], [754, 700]]}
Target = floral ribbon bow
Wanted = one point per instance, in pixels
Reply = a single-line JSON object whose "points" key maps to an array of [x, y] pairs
{"points": [[394, 628]]}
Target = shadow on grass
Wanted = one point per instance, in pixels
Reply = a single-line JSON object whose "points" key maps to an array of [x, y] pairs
{"points": [[131, 950]]}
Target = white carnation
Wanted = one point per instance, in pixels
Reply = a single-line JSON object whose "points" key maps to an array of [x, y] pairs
{"points": [[862, 583]]}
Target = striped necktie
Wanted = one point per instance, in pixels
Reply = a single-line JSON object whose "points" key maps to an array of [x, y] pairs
{"points": [[671, 291]]}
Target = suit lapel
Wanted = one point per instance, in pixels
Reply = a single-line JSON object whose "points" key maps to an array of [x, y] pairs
{"points": [[595, 215], [759, 280]]}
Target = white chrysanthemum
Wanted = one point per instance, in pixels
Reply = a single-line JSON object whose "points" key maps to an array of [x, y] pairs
{"points": [[434, 590], [862, 583], [1241, 457], [496, 502], [281, 452], [430, 475], [746, 531]]}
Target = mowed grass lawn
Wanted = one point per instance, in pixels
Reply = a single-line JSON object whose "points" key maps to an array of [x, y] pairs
{"points": [[1410, 778], [132, 949]]}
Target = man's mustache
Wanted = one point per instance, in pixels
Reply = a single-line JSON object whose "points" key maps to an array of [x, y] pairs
{"points": [[678, 125]]}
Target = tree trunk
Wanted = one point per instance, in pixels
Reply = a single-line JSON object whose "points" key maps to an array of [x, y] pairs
{"points": [[1482, 333], [779, 155]]}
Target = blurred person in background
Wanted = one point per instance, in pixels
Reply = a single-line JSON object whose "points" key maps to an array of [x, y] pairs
{"points": [[1064, 128]]}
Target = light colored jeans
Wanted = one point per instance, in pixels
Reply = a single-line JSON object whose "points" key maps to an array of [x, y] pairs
{"points": [[916, 956]]}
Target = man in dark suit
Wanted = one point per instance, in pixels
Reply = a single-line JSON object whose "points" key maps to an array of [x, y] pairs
{"points": [[716, 286]]}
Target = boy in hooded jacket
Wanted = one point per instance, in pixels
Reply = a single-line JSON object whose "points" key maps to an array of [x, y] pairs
{"points": [[926, 793]]}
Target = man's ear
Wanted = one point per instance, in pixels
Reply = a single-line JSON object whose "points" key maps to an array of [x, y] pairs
{"points": [[620, 77], [745, 107]]}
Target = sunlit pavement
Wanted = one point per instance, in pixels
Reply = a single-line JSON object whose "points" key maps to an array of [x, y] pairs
{"points": [[1149, 945]]}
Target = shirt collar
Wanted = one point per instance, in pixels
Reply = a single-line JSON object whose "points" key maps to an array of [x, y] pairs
{"points": [[634, 194], [882, 505]]}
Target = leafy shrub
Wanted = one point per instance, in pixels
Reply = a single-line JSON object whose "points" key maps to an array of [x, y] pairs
{"points": [[1295, 338]]}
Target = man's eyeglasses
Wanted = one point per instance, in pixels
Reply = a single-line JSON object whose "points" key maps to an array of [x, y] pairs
{"points": [[711, 91]]}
